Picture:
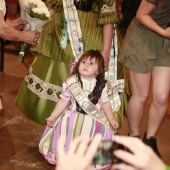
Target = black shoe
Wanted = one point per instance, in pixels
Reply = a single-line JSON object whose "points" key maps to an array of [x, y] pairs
{"points": [[136, 136], [152, 143]]}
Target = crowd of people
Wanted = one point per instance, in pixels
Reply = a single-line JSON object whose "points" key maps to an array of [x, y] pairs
{"points": [[73, 101]]}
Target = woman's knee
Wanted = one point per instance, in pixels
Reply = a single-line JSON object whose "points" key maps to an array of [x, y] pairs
{"points": [[161, 100], [140, 97]]}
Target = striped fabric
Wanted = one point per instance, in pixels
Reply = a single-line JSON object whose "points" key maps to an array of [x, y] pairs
{"points": [[71, 126]]}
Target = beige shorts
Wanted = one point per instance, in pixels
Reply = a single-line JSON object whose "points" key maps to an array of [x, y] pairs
{"points": [[144, 49]]}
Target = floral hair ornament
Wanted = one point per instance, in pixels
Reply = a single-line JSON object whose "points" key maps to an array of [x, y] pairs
{"points": [[72, 65]]}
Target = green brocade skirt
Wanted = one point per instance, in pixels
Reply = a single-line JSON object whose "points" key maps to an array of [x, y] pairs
{"points": [[38, 94]]}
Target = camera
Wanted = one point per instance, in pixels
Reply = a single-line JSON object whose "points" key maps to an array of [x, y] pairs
{"points": [[104, 155]]}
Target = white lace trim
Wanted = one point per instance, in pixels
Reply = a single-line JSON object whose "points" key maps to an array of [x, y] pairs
{"points": [[42, 91], [106, 8]]}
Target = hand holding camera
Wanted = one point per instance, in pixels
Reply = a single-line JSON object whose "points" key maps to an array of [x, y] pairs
{"points": [[125, 153], [105, 154]]}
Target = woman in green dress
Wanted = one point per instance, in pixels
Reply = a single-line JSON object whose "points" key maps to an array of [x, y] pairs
{"points": [[54, 53]]}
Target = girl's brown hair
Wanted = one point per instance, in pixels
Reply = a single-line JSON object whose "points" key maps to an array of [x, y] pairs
{"points": [[98, 59]]}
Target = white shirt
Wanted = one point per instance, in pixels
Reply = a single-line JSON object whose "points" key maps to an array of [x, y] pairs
{"points": [[2, 6]]}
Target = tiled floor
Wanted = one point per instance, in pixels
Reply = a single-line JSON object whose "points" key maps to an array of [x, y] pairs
{"points": [[19, 136]]}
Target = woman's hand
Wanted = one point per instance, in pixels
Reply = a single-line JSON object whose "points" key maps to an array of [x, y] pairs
{"points": [[30, 37], [140, 157], [18, 23], [79, 155], [106, 56]]}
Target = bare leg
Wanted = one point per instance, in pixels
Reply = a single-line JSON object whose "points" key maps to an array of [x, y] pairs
{"points": [[140, 84], [161, 89]]}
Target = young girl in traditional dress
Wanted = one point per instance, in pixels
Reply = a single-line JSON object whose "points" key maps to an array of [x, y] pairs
{"points": [[83, 108]]}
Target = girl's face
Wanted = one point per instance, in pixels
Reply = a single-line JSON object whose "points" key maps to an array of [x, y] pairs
{"points": [[88, 68]]}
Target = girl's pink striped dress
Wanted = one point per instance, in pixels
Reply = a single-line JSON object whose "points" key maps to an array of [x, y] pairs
{"points": [[73, 123]]}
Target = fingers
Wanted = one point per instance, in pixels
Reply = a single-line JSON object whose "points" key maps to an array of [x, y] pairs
{"points": [[125, 156], [74, 145], [93, 147], [80, 146], [17, 22], [50, 122], [139, 151], [133, 144], [37, 36], [83, 146], [31, 37], [80, 153], [115, 125], [123, 166], [61, 143]]}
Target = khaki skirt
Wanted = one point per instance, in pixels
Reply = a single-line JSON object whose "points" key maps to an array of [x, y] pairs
{"points": [[143, 49]]}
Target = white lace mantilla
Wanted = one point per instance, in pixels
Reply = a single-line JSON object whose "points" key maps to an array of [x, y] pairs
{"points": [[42, 89]]}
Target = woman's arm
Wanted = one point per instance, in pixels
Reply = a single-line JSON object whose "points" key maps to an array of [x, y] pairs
{"points": [[107, 41], [9, 33], [17, 24], [143, 16]]}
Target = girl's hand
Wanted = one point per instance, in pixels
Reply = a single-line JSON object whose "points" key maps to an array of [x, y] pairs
{"points": [[113, 123], [50, 121]]}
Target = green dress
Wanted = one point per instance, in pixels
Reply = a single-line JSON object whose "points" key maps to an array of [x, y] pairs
{"points": [[51, 66]]}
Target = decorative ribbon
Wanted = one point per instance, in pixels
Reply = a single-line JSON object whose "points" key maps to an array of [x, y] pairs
{"points": [[115, 86], [74, 30], [85, 103], [64, 38]]}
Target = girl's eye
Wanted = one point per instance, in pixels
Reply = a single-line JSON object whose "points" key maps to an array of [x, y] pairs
{"points": [[92, 63], [83, 61]]}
